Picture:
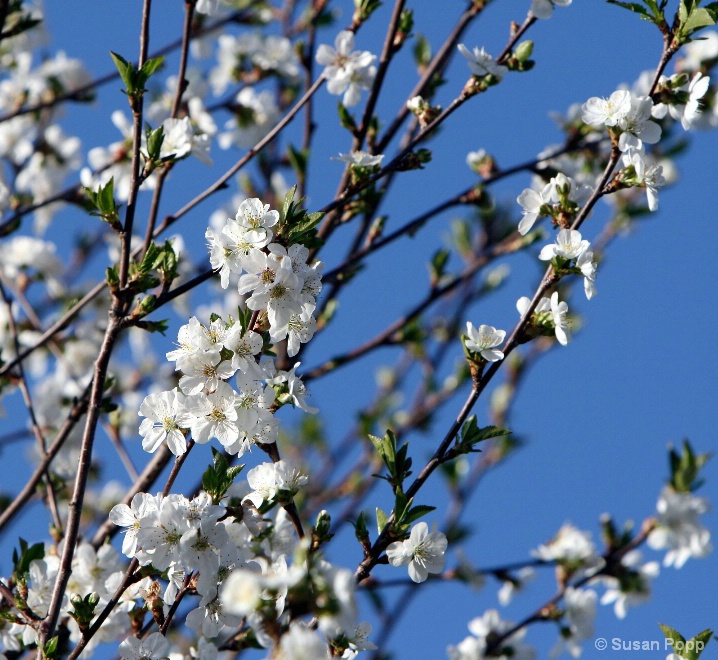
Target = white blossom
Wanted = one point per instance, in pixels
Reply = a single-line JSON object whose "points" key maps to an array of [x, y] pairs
{"points": [[580, 615], [637, 125], [155, 647], [165, 415], [559, 312], [484, 340], [544, 8], [679, 527], [572, 547], [647, 176], [481, 63], [424, 551], [346, 71], [638, 589], [569, 245], [607, 112], [482, 629], [360, 158]]}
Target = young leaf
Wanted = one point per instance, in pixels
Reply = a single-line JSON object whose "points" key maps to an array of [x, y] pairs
{"points": [[381, 520], [416, 512], [632, 6], [28, 553], [126, 71]]}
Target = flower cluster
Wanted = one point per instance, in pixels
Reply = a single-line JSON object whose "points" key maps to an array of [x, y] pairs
{"points": [[549, 317], [245, 566], [559, 199], [347, 71], [483, 630], [278, 281], [572, 251]]}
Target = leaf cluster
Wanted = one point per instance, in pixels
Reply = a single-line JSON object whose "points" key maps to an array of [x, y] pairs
{"points": [[689, 19], [296, 225], [105, 205], [219, 476], [399, 466], [16, 22], [135, 79], [690, 649], [685, 468], [21, 560], [471, 435]]}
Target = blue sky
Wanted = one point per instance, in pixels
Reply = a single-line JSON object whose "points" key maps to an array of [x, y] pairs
{"points": [[596, 416]]}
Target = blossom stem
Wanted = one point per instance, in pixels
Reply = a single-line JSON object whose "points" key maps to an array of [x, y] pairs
{"points": [[437, 64], [85, 460], [136, 104]]}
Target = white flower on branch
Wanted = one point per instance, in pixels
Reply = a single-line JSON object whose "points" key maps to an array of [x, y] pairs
{"points": [[679, 528], [569, 245], [599, 112], [423, 551], [634, 588], [300, 643], [485, 628], [155, 647], [586, 264], [544, 8], [255, 115], [360, 158], [481, 63], [646, 176], [214, 415], [347, 71], [580, 614], [637, 125], [484, 340], [571, 547], [271, 480], [166, 415], [131, 517]]}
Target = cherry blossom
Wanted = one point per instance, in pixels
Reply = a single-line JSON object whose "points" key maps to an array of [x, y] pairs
{"points": [[423, 551]]}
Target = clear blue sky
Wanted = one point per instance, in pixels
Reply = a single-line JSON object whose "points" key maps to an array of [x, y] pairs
{"points": [[596, 416]]}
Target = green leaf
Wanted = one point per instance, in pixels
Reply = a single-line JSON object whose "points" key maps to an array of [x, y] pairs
{"points": [[691, 649], [21, 561], [219, 476], [401, 506], [287, 205], [126, 71], [150, 66], [360, 530], [381, 520], [471, 434], [698, 18], [712, 9], [155, 138], [112, 277], [50, 649], [422, 51], [700, 641], [672, 634], [298, 159], [416, 512], [345, 119], [304, 227], [632, 6], [106, 197]]}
